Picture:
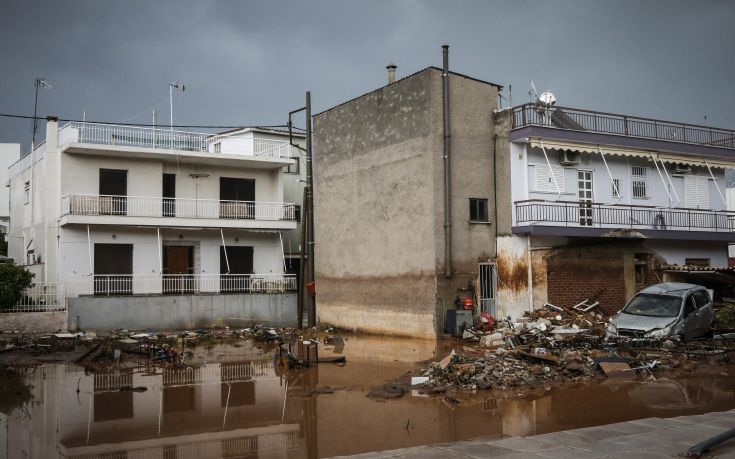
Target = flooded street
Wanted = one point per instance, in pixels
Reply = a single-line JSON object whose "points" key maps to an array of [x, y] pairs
{"points": [[234, 402]]}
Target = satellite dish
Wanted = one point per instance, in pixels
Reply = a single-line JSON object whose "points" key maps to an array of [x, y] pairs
{"points": [[547, 98]]}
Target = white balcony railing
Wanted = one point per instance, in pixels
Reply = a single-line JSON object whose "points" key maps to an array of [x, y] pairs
{"points": [[41, 297], [168, 139], [139, 206], [588, 215], [179, 284]]}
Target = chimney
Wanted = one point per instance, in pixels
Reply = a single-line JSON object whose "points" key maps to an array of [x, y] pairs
{"points": [[391, 73]]}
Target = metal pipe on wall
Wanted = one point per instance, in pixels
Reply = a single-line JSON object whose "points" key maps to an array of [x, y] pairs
{"points": [[447, 180]]}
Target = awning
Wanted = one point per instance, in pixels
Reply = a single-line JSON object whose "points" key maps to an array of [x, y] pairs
{"points": [[620, 151]]}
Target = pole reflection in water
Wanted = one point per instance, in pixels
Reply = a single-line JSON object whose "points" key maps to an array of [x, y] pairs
{"points": [[241, 405]]}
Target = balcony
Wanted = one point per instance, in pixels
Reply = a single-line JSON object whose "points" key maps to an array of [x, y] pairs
{"points": [[570, 218], [195, 147], [179, 284], [79, 208], [573, 119]]}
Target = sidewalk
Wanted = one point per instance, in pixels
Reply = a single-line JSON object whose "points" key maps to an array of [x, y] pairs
{"points": [[640, 439]]}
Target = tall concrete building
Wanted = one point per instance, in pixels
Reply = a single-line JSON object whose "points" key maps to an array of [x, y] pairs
{"points": [[382, 264]]}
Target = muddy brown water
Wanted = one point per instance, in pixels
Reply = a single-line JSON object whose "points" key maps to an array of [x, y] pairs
{"points": [[237, 404]]}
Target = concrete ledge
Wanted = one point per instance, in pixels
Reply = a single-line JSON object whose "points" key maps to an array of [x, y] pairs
{"points": [[33, 322], [181, 312]]}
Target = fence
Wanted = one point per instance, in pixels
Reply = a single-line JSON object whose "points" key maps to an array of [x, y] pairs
{"points": [[41, 297], [134, 136], [139, 206], [587, 214], [179, 284], [609, 123]]}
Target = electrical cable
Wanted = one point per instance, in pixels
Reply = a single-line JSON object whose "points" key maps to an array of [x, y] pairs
{"points": [[29, 117]]}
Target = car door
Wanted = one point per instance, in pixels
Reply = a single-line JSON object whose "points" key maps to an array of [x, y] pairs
{"points": [[691, 320], [705, 311]]}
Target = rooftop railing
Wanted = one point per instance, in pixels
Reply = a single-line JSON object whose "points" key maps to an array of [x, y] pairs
{"points": [[169, 139], [614, 216], [609, 123]]}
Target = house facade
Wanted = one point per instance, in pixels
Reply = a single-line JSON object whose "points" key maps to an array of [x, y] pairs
{"points": [[146, 227], [546, 204], [603, 203]]}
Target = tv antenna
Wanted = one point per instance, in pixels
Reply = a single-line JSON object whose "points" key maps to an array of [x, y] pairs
{"points": [[38, 83], [171, 87]]}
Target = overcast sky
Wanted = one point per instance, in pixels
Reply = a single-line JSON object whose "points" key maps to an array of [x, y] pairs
{"points": [[250, 62]]}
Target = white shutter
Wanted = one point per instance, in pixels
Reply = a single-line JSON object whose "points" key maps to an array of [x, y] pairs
{"points": [[696, 192], [545, 181]]}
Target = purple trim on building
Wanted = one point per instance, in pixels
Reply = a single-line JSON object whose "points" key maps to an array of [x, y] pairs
{"points": [[577, 231], [593, 138]]}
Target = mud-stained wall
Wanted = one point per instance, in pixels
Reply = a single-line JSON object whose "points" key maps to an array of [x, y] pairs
{"points": [[379, 212], [513, 276]]}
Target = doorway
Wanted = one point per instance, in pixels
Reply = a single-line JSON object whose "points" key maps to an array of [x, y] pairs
{"points": [[235, 267], [113, 269], [584, 181], [237, 197], [178, 269], [113, 188], [169, 195], [488, 287]]}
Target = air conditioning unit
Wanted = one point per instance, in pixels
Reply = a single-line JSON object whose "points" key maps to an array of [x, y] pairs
{"points": [[569, 158], [680, 168]]}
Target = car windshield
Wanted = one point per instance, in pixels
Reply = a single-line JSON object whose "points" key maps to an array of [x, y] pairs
{"points": [[652, 305]]}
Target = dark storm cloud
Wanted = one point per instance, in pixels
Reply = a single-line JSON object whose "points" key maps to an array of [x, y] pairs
{"points": [[250, 62]]}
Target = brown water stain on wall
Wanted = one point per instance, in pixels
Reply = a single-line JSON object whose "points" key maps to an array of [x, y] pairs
{"points": [[512, 273]]}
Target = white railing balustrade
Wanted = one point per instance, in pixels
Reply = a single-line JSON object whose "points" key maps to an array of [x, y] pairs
{"points": [[41, 297], [169, 139], [179, 284], [138, 206]]}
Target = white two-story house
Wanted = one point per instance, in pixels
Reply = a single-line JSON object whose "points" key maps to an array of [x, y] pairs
{"points": [[605, 204], [157, 228]]}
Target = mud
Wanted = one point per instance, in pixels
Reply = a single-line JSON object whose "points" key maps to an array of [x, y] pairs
{"points": [[231, 401]]}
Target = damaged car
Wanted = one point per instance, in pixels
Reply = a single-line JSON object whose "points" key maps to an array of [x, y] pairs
{"points": [[676, 310]]}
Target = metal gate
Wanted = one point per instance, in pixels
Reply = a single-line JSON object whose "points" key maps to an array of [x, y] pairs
{"points": [[488, 287]]}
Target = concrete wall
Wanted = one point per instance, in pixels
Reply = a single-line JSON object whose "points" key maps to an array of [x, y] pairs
{"points": [[181, 312], [33, 322], [374, 207], [379, 203]]}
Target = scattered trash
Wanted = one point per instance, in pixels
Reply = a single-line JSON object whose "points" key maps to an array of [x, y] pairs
{"points": [[586, 305]]}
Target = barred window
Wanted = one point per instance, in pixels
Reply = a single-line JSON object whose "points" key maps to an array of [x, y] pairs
{"points": [[640, 181], [616, 188]]}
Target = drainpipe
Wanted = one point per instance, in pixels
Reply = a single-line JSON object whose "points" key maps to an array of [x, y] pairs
{"points": [[495, 188], [447, 181]]}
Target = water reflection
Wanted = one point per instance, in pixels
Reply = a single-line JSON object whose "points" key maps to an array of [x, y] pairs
{"points": [[239, 405]]}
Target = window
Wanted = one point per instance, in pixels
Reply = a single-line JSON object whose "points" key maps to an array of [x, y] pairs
{"points": [[617, 189], [297, 213], [28, 192], [545, 178], [478, 210], [218, 147], [640, 180], [294, 168], [696, 192], [701, 262], [701, 297]]}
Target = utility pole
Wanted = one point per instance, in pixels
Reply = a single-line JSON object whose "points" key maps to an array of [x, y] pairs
{"points": [[171, 87], [306, 266]]}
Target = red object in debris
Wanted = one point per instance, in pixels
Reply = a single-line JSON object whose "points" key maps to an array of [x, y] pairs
{"points": [[468, 303], [485, 321], [311, 287]]}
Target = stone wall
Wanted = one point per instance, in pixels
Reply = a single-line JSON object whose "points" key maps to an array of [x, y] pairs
{"points": [[33, 322]]}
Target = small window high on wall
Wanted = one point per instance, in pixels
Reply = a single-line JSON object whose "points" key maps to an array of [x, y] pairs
{"points": [[639, 176], [478, 210]]}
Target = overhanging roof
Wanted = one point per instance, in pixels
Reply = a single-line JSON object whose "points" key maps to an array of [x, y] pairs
{"points": [[621, 151]]}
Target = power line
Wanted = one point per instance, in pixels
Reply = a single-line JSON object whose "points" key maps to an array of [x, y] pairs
{"points": [[260, 126]]}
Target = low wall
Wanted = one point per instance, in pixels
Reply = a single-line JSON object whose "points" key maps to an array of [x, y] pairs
{"points": [[33, 322], [181, 312]]}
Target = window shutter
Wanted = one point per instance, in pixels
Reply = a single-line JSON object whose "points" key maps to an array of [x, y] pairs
{"points": [[545, 181], [696, 192]]}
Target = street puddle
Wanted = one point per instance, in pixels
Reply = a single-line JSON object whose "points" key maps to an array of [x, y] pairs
{"points": [[233, 402]]}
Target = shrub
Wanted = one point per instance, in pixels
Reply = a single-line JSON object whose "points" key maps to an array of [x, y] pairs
{"points": [[14, 280]]}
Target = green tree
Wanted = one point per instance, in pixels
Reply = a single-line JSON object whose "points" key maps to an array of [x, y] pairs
{"points": [[14, 280], [3, 245]]}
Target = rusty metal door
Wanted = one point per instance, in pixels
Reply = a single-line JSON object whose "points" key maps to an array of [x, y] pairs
{"points": [[488, 286]]}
